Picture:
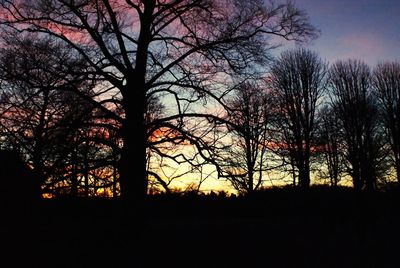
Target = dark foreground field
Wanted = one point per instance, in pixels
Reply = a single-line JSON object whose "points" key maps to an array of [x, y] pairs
{"points": [[279, 228]]}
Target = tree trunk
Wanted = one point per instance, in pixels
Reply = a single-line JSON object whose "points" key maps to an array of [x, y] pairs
{"points": [[132, 165], [369, 175], [114, 189], [133, 175], [357, 183], [304, 172], [74, 176], [250, 165], [398, 170], [86, 174], [304, 178]]}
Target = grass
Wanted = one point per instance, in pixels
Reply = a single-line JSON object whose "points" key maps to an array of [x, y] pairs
{"points": [[321, 227]]}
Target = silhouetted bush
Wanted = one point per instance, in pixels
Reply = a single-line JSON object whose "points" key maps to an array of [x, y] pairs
{"points": [[17, 180]]}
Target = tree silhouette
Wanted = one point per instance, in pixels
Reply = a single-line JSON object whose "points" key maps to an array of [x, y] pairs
{"points": [[298, 78], [386, 85], [245, 160], [151, 48], [352, 99], [34, 102]]}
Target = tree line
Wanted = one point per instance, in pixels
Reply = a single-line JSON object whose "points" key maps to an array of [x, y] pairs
{"points": [[100, 97], [338, 122]]}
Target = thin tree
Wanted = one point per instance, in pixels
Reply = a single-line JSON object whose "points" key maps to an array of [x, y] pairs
{"points": [[298, 79]]}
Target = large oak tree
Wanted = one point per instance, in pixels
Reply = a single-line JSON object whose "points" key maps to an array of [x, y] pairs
{"points": [[178, 50]]}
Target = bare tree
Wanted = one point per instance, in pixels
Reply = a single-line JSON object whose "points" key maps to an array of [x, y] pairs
{"points": [[141, 49], [298, 79], [350, 89], [244, 161], [61, 135], [386, 85], [31, 107]]}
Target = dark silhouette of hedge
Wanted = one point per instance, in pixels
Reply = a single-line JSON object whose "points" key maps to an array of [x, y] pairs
{"points": [[17, 180]]}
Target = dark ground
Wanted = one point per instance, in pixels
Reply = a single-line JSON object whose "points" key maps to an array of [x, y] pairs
{"points": [[277, 228]]}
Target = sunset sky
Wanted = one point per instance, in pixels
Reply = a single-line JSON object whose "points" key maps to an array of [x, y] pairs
{"points": [[368, 30], [363, 29]]}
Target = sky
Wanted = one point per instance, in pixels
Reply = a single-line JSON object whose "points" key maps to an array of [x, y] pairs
{"points": [[368, 30]]}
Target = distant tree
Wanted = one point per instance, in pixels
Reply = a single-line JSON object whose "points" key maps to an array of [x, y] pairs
{"points": [[386, 85], [352, 99], [181, 50], [244, 161], [298, 79]]}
